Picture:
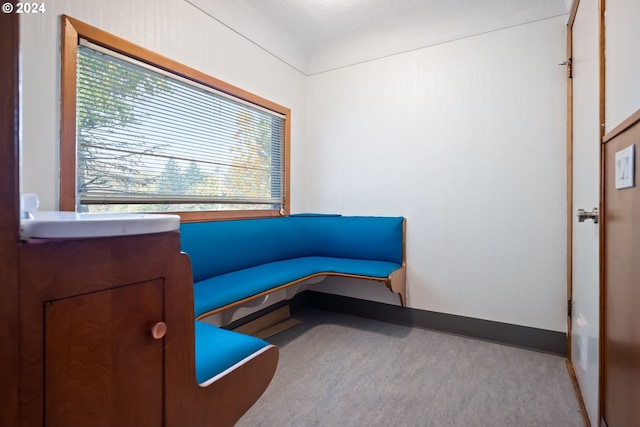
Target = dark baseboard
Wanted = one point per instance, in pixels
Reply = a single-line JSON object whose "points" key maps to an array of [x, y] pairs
{"points": [[504, 333]]}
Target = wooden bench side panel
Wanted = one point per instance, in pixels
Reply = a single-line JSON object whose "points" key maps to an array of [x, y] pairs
{"points": [[226, 400]]}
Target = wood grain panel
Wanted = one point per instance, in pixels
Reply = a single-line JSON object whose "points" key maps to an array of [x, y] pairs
{"points": [[98, 280], [621, 292], [9, 108], [99, 351], [69, 50], [186, 403], [569, 160], [55, 270]]}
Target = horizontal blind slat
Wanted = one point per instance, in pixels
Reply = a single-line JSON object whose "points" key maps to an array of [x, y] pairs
{"points": [[146, 138]]}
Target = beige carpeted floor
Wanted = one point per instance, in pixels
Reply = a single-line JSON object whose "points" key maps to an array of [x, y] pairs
{"points": [[339, 370]]}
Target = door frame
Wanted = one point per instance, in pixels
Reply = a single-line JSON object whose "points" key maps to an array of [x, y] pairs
{"points": [[568, 63], [602, 7]]}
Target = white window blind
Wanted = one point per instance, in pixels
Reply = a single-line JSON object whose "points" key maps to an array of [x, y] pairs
{"points": [[152, 140]]}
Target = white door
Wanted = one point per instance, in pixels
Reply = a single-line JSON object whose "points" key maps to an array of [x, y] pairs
{"points": [[586, 195]]}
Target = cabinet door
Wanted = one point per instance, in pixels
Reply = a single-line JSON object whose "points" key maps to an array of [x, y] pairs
{"points": [[102, 365]]}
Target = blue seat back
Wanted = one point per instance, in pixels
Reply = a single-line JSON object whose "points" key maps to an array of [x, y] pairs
{"points": [[220, 247], [357, 237]]}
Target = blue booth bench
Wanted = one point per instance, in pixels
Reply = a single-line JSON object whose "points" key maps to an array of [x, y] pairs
{"points": [[236, 261]]}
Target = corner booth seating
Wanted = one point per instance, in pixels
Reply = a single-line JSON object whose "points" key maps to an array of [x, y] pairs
{"points": [[236, 261]]}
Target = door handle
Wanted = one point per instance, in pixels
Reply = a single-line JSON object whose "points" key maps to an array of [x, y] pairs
{"points": [[584, 215]]}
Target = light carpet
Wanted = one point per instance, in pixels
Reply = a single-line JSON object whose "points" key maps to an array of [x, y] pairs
{"points": [[341, 370]]}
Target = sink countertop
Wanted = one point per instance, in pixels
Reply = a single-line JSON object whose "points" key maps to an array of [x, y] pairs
{"points": [[59, 225]]}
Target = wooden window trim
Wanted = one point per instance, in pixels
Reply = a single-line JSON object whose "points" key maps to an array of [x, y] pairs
{"points": [[72, 31]]}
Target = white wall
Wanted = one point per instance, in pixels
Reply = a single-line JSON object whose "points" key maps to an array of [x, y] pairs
{"points": [[173, 28], [623, 61], [255, 26], [467, 140]]}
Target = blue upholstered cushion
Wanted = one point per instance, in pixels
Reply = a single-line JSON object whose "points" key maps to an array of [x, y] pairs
{"points": [[357, 237], [219, 349], [221, 247], [224, 289]]}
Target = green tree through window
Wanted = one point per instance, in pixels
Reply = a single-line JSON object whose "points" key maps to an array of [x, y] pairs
{"points": [[107, 95]]}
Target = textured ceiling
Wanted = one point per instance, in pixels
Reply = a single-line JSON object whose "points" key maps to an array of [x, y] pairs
{"points": [[319, 35]]}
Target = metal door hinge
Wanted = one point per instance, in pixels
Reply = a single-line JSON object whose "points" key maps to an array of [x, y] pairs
{"points": [[569, 307]]}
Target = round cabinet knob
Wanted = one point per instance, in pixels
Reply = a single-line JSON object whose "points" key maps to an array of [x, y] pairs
{"points": [[159, 330]]}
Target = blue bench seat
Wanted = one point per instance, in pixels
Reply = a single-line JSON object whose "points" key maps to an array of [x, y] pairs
{"points": [[239, 260], [219, 350], [219, 291]]}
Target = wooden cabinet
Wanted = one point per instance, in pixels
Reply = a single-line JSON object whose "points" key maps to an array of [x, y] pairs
{"points": [[102, 366], [91, 349], [87, 310]]}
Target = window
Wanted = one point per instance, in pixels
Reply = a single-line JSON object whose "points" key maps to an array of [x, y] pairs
{"points": [[143, 133]]}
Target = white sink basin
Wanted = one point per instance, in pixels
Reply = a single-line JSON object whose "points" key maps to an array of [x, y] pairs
{"points": [[60, 225]]}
